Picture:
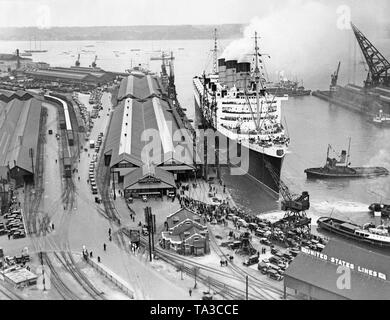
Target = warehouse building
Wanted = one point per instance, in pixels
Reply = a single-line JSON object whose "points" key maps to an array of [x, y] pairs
{"points": [[342, 271], [75, 75], [143, 118], [19, 132]]}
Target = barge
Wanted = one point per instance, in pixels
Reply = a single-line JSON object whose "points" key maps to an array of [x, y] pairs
{"points": [[378, 236]]}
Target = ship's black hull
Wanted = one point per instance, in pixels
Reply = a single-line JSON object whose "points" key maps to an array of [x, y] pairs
{"points": [[257, 169]]}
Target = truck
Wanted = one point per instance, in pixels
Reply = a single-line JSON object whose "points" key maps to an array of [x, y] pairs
{"points": [[92, 144]]}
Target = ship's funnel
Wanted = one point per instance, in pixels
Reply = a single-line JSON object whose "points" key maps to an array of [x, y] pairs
{"points": [[343, 157], [231, 67], [222, 71], [243, 73]]}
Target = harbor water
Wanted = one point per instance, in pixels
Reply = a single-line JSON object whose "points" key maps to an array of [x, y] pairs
{"points": [[312, 124]]}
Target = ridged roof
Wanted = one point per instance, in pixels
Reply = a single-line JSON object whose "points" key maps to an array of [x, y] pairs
{"points": [[141, 108], [132, 178], [19, 131]]}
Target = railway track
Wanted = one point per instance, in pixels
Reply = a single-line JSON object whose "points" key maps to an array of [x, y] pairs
{"points": [[57, 282], [68, 262], [255, 283], [226, 291], [103, 184], [10, 294], [33, 199]]}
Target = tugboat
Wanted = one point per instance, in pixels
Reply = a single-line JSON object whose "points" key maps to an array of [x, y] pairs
{"points": [[380, 209], [368, 233], [341, 168]]}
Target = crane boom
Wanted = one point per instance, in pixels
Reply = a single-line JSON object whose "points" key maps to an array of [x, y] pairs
{"points": [[379, 67], [285, 192], [296, 204], [94, 62]]}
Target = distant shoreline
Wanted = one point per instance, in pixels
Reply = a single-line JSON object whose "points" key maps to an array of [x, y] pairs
{"points": [[149, 33], [111, 40]]}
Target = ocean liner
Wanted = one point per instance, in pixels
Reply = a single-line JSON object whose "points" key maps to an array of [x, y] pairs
{"points": [[233, 101]]}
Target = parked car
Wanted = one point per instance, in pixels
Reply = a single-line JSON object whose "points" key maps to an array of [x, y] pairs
{"points": [[265, 241], [274, 275], [275, 260], [263, 267], [294, 251], [251, 260], [145, 231], [259, 232]]}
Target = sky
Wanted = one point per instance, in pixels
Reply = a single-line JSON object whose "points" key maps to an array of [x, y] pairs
{"points": [[49, 13]]}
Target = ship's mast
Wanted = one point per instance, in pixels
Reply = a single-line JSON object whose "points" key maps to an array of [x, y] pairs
{"points": [[215, 53], [257, 79], [349, 150], [327, 153]]}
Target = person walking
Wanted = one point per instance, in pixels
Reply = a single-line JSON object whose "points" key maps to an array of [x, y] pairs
{"points": [[109, 231], [90, 254], [110, 238], [190, 292], [104, 247]]}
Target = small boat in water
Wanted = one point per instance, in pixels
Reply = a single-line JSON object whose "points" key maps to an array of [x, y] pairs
{"points": [[369, 233], [341, 168], [381, 119], [380, 209]]}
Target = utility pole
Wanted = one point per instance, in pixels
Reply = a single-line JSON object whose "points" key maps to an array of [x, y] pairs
{"points": [[113, 184], [151, 229], [246, 287], [195, 274], [31, 152]]}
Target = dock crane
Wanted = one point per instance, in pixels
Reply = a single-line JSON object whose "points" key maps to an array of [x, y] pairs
{"points": [[168, 80], [94, 62], [335, 76], [333, 80], [379, 67], [295, 206], [77, 63]]}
